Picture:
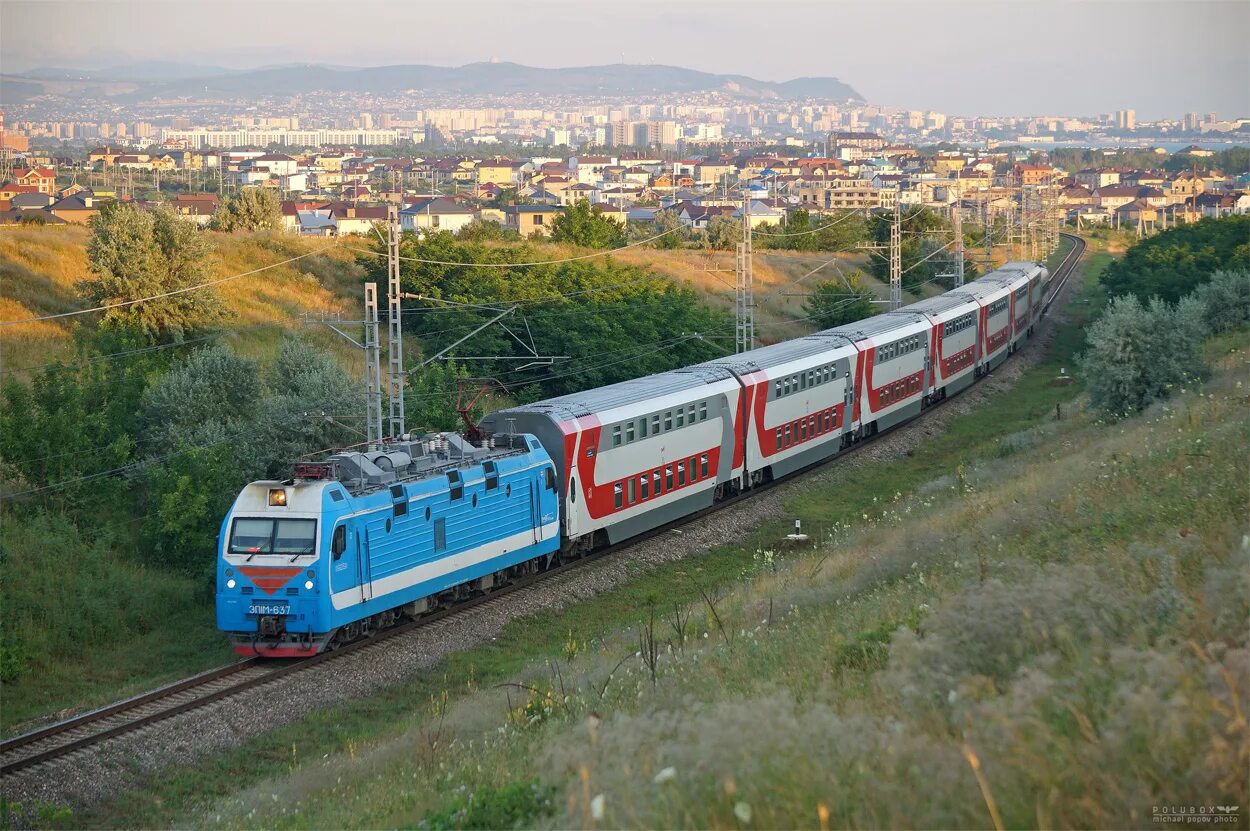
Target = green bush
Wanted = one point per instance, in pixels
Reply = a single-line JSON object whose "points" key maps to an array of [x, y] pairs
{"points": [[515, 805], [1137, 354], [1225, 300]]}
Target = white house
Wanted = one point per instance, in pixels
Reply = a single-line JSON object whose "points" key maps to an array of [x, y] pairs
{"points": [[435, 214]]}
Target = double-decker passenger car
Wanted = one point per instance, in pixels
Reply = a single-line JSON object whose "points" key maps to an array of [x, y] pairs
{"points": [[892, 379], [635, 455], [800, 396]]}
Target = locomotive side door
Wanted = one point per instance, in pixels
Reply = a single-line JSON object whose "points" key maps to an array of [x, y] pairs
{"points": [[344, 570], [362, 565]]}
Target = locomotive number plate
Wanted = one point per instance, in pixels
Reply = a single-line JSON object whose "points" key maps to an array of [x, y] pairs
{"points": [[269, 609]]}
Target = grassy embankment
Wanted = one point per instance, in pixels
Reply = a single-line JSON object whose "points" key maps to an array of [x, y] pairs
{"points": [[1041, 615]]}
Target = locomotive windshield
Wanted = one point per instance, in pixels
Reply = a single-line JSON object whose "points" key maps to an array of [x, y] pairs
{"points": [[257, 535]]}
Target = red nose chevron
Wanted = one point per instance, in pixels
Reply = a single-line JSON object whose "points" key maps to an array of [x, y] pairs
{"points": [[269, 578]]}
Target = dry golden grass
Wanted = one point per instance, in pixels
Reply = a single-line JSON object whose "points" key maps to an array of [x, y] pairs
{"points": [[39, 268]]}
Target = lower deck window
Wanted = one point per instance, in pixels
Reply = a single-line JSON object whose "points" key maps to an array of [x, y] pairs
{"points": [[703, 465], [618, 495]]}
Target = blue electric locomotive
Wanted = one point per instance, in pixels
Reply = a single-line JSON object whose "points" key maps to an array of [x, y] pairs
{"points": [[353, 543]]}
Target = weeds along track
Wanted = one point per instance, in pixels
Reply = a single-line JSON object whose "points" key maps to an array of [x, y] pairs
{"points": [[64, 741]]}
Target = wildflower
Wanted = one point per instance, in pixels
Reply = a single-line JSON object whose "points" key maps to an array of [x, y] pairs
{"points": [[665, 775], [743, 812], [596, 807]]}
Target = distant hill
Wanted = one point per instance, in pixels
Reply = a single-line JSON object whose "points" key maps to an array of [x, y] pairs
{"points": [[144, 71], [157, 79]]}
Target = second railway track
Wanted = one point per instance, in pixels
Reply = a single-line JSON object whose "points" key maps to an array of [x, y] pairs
{"points": [[71, 736]]}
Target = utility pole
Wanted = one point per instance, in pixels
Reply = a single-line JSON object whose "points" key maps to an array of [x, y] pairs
{"points": [[958, 221], [896, 253], [395, 332], [987, 232], [744, 297], [373, 369]]}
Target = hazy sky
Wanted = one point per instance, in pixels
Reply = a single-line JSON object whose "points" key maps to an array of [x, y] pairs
{"points": [[1161, 57]]}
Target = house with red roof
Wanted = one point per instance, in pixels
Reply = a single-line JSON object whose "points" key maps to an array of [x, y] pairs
{"points": [[43, 179]]}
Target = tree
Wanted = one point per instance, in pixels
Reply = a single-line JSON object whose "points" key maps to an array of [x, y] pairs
{"points": [[312, 404], [211, 395], [1139, 353], [250, 209], [1175, 262], [136, 254], [582, 224], [723, 232], [834, 304], [1225, 299], [487, 230], [430, 400], [666, 223], [212, 427]]}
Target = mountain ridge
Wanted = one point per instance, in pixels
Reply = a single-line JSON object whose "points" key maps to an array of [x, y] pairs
{"points": [[482, 78]]}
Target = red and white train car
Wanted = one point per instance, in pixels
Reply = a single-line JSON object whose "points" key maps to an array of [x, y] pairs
{"points": [[800, 397], [640, 453], [953, 341], [892, 368]]}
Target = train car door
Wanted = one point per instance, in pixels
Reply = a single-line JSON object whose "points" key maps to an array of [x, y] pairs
{"points": [[362, 566], [535, 509]]}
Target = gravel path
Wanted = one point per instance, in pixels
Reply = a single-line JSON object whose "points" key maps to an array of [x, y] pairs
{"points": [[127, 762]]}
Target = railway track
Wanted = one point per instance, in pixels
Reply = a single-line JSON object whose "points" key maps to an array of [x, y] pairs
{"points": [[79, 734]]}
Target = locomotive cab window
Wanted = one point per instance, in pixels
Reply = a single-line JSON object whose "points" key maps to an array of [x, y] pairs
{"points": [[272, 536], [551, 479], [338, 543]]}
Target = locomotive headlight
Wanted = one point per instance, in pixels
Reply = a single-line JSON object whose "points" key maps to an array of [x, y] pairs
{"points": [[277, 497], [308, 584], [230, 584]]}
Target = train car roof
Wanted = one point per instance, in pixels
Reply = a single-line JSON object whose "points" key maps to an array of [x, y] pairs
{"points": [[939, 304], [624, 393], [875, 325], [778, 354]]}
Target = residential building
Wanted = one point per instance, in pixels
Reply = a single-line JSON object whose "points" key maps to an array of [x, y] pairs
{"points": [[531, 219], [435, 214]]}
